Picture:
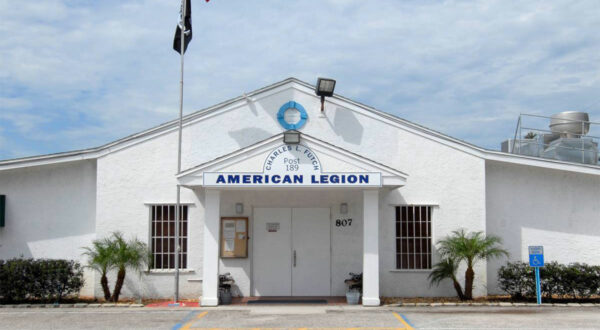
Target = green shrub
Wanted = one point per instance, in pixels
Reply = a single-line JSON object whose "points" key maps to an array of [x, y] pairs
{"points": [[581, 280], [41, 279], [551, 278], [516, 279], [576, 280]]}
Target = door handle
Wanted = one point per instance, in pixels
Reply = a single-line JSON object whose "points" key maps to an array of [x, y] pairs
{"points": [[294, 258]]}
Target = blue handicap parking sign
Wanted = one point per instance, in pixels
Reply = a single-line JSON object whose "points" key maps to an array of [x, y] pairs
{"points": [[536, 256]]}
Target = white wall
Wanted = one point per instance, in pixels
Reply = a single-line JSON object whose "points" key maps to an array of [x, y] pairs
{"points": [[50, 212], [438, 175], [535, 206], [131, 180], [453, 184]]}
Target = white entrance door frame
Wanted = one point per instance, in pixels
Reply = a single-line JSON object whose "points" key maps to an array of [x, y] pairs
{"points": [[210, 254], [370, 248]]}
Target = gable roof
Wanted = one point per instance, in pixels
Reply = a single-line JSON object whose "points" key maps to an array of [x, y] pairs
{"points": [[93, 153], [390, 176]]}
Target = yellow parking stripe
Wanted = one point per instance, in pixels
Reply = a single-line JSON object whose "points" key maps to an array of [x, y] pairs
{"points": [[407, 326], [401, 319], [189, 324]]}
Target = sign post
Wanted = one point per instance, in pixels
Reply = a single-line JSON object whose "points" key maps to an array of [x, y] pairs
{"points": [[536, 260]]}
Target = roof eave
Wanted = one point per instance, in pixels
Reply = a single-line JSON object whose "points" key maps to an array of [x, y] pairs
{"points": [[458, 144]]}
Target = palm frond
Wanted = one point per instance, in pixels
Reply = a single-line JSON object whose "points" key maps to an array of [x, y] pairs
{"points": [[99, 255], [470, 247], [445, 269], [129, 254]]}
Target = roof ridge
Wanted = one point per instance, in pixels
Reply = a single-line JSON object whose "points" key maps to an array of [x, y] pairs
{"points": [[186, 118]]}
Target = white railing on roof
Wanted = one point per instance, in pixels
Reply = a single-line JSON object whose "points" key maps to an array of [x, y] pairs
{"points": [[589, 140]]}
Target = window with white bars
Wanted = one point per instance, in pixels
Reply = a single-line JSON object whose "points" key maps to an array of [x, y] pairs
{"points": [[163, 236], [413, 237]]}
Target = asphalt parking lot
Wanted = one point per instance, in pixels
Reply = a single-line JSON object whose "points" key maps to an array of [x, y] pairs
{"points": [[305, 317]]}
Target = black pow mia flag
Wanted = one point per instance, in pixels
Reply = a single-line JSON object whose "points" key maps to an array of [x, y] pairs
{"points": [[187, 18]]}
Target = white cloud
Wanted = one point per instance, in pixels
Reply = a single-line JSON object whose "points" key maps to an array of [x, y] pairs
{"points": [[14, 102], [98, 71], [24, 123]]}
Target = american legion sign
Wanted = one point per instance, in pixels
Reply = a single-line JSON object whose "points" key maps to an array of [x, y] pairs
{"points": [[291, 165]]}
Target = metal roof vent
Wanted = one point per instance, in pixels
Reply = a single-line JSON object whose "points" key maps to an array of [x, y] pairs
{"points": [[567, 138], [570, 124]]}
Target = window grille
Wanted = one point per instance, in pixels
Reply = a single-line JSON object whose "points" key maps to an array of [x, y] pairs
{"points": [[413, 237], [163, 236]]}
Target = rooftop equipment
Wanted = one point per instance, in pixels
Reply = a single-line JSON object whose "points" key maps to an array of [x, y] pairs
{"points": [[570, 124], [566, 139]]}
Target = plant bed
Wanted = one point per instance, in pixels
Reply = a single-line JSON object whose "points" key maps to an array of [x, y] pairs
{"points": [[73, 300], [485, 300], [560, 283]]}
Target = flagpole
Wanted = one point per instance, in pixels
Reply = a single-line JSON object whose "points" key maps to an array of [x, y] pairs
{"points": [[177, 209]]}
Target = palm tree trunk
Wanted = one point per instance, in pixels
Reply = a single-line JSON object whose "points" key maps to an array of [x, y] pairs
{"points": [[105, 288], [469, 277], [118, 285], [458, 289]]}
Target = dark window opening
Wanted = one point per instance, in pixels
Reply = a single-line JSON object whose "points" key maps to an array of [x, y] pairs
{"points": [[413, 237], [163, 236]]}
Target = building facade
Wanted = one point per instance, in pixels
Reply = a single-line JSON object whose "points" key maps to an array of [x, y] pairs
{"points": [[361, 191]]}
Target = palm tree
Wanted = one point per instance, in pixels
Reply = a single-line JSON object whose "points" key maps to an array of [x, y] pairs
{"points": [[127, 254], [470, 248], [443, 270], [100, 259]]}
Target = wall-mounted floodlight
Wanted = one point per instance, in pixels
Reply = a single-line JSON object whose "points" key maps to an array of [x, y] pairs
{"points": [[325, 87], [291, 137]]}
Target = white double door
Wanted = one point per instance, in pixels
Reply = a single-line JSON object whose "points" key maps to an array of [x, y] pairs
{"points": [[291, 252]]}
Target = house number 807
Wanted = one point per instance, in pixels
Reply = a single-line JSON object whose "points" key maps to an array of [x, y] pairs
{"points": [[343, 222]]}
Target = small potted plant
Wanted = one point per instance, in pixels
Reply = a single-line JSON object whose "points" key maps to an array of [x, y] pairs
{"points": [[354, 288], [225, 283]]}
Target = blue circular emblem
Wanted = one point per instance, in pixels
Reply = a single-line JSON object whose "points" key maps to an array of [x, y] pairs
{"points": [[292, 115]]}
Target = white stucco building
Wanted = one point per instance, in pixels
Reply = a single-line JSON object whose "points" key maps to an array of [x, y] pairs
{"points": [[363, 191]]}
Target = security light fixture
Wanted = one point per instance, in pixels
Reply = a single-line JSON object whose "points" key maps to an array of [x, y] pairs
{"points": [[239, 208], [325, 87], [344, 208], [291, 137]]}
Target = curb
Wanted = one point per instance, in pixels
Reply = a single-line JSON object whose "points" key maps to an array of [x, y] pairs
{"points": [[410, 304], [77, 305], [490, 304]]}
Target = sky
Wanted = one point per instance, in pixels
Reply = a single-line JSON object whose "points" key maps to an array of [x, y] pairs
{"points": [[76, 74]]}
